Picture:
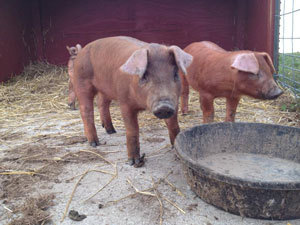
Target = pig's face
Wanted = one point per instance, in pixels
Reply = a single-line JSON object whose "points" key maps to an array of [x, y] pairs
{"points": [[255, 75], [159, 82], [73, 51]]}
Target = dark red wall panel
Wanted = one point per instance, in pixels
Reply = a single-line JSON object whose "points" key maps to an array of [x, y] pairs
{"points": [[16, 42], [260, 25], [169, 21], [41, 29]]}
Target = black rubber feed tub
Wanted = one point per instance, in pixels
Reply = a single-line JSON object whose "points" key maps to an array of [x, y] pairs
{"points": [[249, 169]]}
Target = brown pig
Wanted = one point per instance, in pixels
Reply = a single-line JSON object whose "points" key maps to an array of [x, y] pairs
{"points": [[73, 51], [218, 73], [137, 74]]}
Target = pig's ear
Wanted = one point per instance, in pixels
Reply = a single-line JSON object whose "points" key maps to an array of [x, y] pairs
{"points": [[269, 61], [137, 63], [78, 46], [69, 49], [183, 59], [246, 62]]}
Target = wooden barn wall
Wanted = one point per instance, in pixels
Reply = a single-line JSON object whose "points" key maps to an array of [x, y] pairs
{"points": [[40, 29], [170, 21], [16, 40], [260, 25]]}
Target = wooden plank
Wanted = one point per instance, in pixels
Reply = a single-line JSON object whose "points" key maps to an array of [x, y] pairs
{"points": [[171, 22]]}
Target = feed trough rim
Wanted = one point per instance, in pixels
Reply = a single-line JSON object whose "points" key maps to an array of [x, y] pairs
{"points": [[286, 186]]}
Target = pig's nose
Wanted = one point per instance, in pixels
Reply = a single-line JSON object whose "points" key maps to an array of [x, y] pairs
{"points": [[275, 93], [163, 110]]}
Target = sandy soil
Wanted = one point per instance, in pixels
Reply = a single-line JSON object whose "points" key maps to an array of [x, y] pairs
{"points": [[45, 143]]}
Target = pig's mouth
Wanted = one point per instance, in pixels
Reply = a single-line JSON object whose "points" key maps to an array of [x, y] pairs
{"points": [[163, 109], [273, 94]]}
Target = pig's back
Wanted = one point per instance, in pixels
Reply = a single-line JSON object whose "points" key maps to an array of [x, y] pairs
{"points": [[206, 68], [100, 60], [108, 53], [113, 51]]}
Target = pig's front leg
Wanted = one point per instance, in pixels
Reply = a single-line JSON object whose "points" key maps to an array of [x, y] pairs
{"points": [[231, 105], [173, 127], [132, 135], [207, 107]]}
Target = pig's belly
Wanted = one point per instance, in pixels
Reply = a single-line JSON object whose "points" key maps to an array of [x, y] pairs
{"points": [[253, 167]]}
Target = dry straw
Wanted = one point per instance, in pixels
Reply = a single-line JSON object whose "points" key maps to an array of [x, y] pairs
{"points": [[41, 91]]}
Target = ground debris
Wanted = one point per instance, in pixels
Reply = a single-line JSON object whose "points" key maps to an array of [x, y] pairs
{"points": [[34, 211], [74, 215], [192, 207]]}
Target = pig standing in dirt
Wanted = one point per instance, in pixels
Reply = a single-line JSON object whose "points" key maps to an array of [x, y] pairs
{"points": [[73, 51], [218, 73], [137, 74]]}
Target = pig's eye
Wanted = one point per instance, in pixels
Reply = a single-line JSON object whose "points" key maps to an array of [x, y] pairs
{"points": [[143, 79], [176, 76], [253, 76]]}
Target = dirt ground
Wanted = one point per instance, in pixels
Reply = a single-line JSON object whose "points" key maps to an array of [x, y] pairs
{"points": [[47, 167]]}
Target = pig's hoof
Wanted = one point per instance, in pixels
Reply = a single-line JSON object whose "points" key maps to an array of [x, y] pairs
{"points": [[184, 112], [111, 131], [72, 106], [131, 162], [97, 143], [94, 144], [137, 162]]}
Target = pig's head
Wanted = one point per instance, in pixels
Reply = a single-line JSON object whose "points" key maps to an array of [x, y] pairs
{"points": [[73, 51], [157, 67], [254, 75]]}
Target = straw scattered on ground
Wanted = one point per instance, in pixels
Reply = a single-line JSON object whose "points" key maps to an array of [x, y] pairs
{"points": [[42, 89], [36, 154], [33, 211]]}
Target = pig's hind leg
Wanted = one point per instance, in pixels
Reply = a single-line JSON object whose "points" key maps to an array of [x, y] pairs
{"points": [[207, 107], [86, 96], [103, 106], [231, 106]]}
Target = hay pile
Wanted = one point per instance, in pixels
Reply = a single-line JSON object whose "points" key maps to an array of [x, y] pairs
{"points": [[39, 89]]}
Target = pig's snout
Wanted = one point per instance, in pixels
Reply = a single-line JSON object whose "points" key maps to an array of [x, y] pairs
{"points": [[274, 93], [163, 109]]}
